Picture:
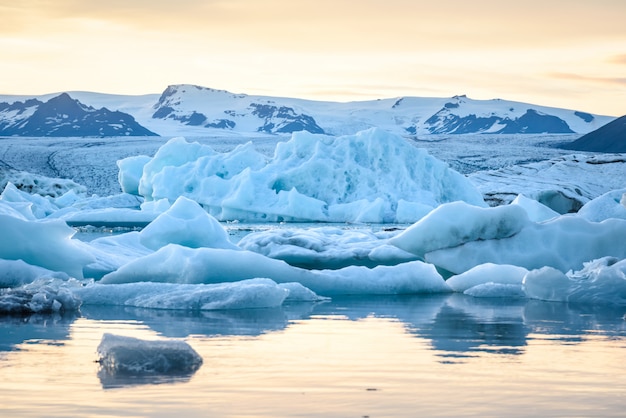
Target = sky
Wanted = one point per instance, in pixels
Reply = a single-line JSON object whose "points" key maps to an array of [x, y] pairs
{"points": [[562, 53]]}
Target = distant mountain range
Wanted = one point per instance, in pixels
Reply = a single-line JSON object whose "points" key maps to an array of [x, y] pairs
{"points": [[194, 110], [64, 116]]}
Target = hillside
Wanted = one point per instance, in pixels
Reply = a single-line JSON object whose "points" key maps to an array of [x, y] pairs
{"points": [[608, 138]]}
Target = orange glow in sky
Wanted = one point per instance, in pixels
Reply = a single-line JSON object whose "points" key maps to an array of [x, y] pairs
{"points": [[569, 54]]}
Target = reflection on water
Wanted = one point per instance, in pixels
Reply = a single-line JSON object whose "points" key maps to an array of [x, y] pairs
{"points": [[440, 355]]}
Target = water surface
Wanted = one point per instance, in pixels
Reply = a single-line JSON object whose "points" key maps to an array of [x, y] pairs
{"points": [[444, 355]]}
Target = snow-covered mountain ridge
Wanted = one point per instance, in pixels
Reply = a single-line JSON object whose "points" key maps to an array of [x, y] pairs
{"points": [[194, 110]]}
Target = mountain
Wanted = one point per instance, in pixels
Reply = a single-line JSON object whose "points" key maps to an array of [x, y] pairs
{"points": [[609, 138], [195, 111], [63, 116], [218, 109]]}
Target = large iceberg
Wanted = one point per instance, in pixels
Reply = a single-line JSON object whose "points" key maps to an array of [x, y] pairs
{"points": [[372, 176]]}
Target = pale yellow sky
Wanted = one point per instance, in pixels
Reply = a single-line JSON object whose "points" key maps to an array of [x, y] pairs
{"points": [[564, 53]]}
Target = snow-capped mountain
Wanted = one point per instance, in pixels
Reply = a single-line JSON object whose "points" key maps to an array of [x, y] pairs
{"points": [[63, 116], [217, 109], [193, 110]]}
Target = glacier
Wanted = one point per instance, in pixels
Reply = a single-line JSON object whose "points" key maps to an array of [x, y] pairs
{"points": [[443, 237]]}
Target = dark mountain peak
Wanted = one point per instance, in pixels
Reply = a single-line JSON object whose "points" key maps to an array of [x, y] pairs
{"points": [[63, 104], [64, 116], [608, 138]]}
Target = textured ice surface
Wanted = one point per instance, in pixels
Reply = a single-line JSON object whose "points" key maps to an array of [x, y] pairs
{"points": [[326, 247], [121, 355], [247, 294], [41, 296]]}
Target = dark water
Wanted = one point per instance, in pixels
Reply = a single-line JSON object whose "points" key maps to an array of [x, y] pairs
{"points": [[445, 355]]}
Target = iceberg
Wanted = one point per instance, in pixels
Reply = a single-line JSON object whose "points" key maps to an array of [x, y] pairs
{"points": [[372, 176], [185, 223], [488, 273], [564, 243], [45, 243], [247, 294], [602, 281], [328, 247], [41, 296], [457, 223], [177, 264]]}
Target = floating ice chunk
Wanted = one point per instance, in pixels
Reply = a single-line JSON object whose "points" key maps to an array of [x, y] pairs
{"points": [[40, 296], [120, 355], [563, 243], [247, 294], [456, 223], [130, 172], [38, 206], [604, 207], [299, 293], [46, 244], [119, 201], [176, 264], [496, 290], [118, 210], [106, 217], [406, 278], [537, 212], [185, 223], [487, 273], [326, 247], [15, 273], [601, 281], [369, 177]]}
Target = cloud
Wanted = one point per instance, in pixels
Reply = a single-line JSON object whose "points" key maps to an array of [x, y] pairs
{"points": [[620, 81], [618, 59]]}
